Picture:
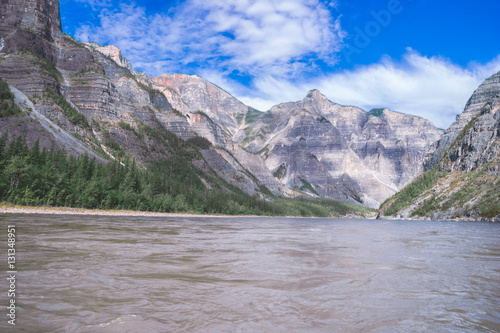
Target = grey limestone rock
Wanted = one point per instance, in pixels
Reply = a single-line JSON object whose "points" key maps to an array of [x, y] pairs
{"points": [[479, 99], [465, 165], [341, 151]]}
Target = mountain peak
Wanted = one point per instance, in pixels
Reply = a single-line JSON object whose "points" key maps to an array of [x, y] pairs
{"points": [[177, 79], [315, 94], [114, 53], [486, 92]]}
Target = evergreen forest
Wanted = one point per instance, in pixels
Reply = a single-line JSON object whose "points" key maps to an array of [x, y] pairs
{"points": [[53, 177]]}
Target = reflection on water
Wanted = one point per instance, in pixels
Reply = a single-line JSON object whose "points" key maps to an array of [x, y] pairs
{"points": [[102, 274]]}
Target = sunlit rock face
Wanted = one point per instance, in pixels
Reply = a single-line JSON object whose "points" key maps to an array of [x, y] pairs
{"points": [[116, 55], [476, 133], [216, 115], [313, 146], [340, 151], [482, 97], [200, 96]]}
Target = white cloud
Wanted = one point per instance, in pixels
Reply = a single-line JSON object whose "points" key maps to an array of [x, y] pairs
{"points": [[257, 36], [269, 33], [96, 3], [430, 87]]}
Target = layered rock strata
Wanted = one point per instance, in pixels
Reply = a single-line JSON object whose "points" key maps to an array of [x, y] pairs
{"points": [[479, 99], [339, 151]]}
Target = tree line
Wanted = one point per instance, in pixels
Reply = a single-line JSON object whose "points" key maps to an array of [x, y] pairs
{"points": [[53, 177]]}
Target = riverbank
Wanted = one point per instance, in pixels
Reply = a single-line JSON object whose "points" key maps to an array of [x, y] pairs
{"points": [[15, 209], [443, 217]]}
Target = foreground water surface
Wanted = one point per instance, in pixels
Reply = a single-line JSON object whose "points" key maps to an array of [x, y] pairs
{"points": [[130, 274]]}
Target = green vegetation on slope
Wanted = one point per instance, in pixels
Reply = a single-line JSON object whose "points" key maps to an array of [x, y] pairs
{"points": [[30, 176], [73, 116], [252, 115], [475, 191], [125, 126], [377, 112], [307, 186], [7, 106], [412, 191]]}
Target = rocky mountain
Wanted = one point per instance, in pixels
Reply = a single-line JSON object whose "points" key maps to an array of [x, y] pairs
{"points": [[484, 94], [339, 151], [463, 177], [363, 157], [88, 99]]}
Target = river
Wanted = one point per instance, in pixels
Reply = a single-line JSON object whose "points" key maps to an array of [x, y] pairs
{"points": [[193, 274]]}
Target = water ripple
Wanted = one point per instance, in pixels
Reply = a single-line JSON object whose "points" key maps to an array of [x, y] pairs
{"points": [[116, 274]]}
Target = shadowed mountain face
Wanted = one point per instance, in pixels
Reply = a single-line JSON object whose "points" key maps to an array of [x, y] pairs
{"points": [[88, 98], [463, 167]]}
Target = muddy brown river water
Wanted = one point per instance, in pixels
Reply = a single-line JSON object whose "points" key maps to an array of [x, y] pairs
{"points": [[193, 274]]}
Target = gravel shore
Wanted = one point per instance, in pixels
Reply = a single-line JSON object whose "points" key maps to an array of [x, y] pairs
{"points": [[11, 209], [6, 209]]}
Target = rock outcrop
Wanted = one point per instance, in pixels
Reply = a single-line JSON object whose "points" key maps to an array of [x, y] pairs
{"points": [[40, 18], [463, 177], [88, 99], [115, 54], [216, 112], [479, 99]]}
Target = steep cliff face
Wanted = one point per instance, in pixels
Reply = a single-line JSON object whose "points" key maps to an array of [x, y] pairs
{"points": [[214, 114], [40, 18], [339, 151], [465, 181], [88, 99], [30, 26], [388, 142], [481, 96], [114, 54], [312, 146], [200, 96]]}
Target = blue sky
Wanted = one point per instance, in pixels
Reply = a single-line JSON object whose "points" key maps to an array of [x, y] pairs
{"points": [[415, 56]]}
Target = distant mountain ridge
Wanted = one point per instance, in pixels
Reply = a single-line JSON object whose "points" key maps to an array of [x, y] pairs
{"points": [[308, 148]]}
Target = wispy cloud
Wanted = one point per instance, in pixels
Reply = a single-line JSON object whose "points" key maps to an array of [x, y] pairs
{"points": [[273, 36], [96, 4], [431, 87]]}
